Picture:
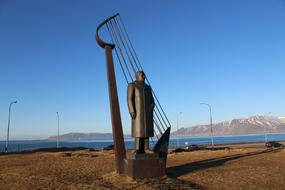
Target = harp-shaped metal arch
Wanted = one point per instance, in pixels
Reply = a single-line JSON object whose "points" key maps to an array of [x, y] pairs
{"points": [[100, 42], [161, 147]]}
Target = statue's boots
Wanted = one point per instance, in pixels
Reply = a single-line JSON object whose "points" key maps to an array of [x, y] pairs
{"points": [[140, 145]]}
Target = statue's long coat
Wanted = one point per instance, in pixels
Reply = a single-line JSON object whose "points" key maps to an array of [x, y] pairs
{"points": [[140, 101]]}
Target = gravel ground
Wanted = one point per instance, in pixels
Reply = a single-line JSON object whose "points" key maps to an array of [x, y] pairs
{"points": [[239, 167]]}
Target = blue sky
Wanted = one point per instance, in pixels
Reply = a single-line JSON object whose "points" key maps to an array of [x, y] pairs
{"points": [[227, 53]]}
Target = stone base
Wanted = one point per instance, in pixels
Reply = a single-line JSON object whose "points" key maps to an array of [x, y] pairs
{"points": [[144, 166]]}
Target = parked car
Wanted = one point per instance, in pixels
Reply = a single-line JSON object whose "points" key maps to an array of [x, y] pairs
{"points": [[192, 147], [110, 147], [272, 144], [178, 150]]}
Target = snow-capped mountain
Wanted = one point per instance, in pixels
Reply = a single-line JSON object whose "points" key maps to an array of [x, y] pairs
{"points": [[250, 125], [282, 118]]}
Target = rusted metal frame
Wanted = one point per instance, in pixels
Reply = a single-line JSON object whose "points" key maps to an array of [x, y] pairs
{"points": [[109, 48], [118, 137], [100, 42]]}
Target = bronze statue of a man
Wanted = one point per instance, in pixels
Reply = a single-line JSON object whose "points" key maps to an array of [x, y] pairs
{"points": [[141, 105]]}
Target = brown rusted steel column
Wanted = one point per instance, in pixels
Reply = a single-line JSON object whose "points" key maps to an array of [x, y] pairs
{"points": [[118, 137]]}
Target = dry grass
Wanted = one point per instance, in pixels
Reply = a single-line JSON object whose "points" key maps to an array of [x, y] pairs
{"points": [[237, 168]]}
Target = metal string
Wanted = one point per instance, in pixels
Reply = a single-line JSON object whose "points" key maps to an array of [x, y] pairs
{"points": [[157, 126], [159, 119], [117, 55], [142, 69], [122, 42], [156, 123], [117, 45], [119, 34], [155, 134], [119, 31], [127, 43], [130, 41]]}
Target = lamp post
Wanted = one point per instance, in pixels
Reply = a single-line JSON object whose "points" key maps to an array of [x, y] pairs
{"points": [[211, 122], [57, 142], [264, 128], [178, 126], [8, 129]]}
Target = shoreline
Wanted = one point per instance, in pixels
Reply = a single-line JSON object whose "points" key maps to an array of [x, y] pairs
{"points": [[202, 147], [173, 137], [41, 145]]}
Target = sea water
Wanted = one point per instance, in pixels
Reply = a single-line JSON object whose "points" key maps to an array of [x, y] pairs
{"points": [[22, 145]]}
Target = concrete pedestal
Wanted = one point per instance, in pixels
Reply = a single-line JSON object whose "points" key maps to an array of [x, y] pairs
{"points": [[144, 166]]}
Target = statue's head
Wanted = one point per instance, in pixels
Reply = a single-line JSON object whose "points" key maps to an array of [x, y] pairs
{"points": [[140, 76]]}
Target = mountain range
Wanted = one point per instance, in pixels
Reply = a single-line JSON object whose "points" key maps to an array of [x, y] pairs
{"points": [[249, 125], [84, 136]]}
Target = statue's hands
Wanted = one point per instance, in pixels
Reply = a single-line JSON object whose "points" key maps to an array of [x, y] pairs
{"points": [[133, 115]]}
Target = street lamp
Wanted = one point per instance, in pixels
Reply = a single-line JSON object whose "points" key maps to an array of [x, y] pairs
{"points": [[8, 129], [264, 128], [57, 142], [178, 127], [211, 122]]}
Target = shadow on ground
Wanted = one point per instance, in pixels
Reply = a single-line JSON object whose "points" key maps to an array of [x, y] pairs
{"points": [[176, 171]]}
